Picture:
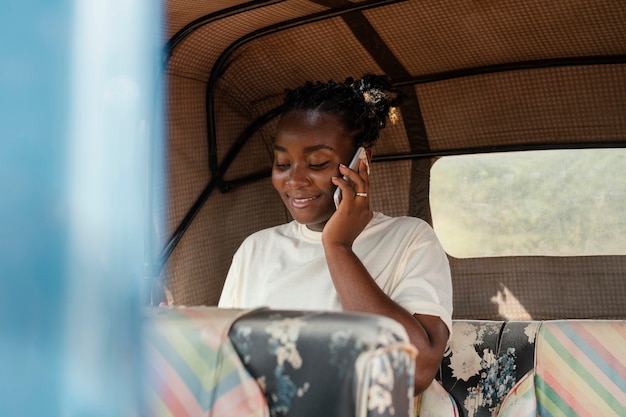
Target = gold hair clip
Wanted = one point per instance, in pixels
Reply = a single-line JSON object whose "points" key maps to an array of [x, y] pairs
{"points": [[373, 96], [393, 115]]}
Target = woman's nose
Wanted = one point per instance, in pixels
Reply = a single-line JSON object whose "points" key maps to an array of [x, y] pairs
{"points": [[297, 176]]}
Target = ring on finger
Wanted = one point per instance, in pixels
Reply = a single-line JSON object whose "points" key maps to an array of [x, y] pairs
{"points": [[360, 194]]}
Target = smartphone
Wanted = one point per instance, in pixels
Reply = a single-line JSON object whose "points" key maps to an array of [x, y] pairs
{"points": [[360, 154]]}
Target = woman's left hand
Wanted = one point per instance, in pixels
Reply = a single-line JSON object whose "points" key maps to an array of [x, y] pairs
{"points": [[354, 210]]}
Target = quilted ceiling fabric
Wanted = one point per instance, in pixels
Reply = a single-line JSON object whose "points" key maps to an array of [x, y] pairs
{"points": [[476, 76]]}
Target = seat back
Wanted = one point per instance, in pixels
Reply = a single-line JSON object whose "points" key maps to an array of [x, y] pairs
{"points": [[484, 361], [192, 368], [581, 368], [469, 368], [328, 363]]}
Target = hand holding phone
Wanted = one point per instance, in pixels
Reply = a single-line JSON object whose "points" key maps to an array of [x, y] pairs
{"points": [[360, 154]]}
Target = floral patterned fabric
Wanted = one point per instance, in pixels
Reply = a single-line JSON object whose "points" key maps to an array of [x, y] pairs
{"points": [[517, 350], [470, 366], [484, 361], [328, 364]]}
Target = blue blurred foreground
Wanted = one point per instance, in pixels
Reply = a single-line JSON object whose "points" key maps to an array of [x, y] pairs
{"points": [[80, 128]]}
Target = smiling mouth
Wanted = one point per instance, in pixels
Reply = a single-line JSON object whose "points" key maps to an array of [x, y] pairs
{"points": [[301, 202]]}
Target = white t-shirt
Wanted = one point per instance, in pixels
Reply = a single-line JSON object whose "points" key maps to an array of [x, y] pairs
{"points": [[284, 267]]}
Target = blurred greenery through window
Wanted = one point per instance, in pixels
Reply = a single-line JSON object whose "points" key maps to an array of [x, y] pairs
{"points": [[552, 203]]}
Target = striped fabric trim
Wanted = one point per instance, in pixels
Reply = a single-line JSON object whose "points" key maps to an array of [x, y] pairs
{"points": [[193, 370], [521, 400], [435, 401], [581, 368]]}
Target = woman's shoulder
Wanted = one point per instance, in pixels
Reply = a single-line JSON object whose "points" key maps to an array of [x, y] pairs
{"points": [[411, 230], [412, 223]]}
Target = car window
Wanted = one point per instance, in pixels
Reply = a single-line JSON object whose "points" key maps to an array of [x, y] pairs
{"points": [[552, 202]]}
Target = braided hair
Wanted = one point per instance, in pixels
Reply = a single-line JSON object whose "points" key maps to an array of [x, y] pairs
{"points": [[362, 106]]}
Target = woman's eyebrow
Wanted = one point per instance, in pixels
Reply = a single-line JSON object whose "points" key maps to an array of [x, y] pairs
{"points": [[314, 148], [280, 148], [307, 149]]}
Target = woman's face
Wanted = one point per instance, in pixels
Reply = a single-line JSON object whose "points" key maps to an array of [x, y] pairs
{"points": [[308, 149]]}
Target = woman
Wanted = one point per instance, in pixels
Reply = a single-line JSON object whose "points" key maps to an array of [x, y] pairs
{"points": [[345, 258]]}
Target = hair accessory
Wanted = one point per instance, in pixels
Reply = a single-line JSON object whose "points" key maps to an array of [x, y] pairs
{"points": [[393, 115], [377, 101], [373, 96]]}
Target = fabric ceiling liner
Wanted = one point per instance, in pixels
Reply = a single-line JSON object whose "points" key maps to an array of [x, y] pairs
{"points": [[477, 76]]}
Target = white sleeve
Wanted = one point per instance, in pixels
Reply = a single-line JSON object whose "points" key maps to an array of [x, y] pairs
{"points": [[426, 286], [231, 293]]}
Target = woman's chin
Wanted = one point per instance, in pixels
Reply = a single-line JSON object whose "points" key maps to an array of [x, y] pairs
{"points": [[312, 222]]}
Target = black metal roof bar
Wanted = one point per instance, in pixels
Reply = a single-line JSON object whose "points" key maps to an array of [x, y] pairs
{"points": [[248, 179], [514, 66], [216, 181], [503, 148], [229, 185], [184, 225], [204, 20], [243, 138]]}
